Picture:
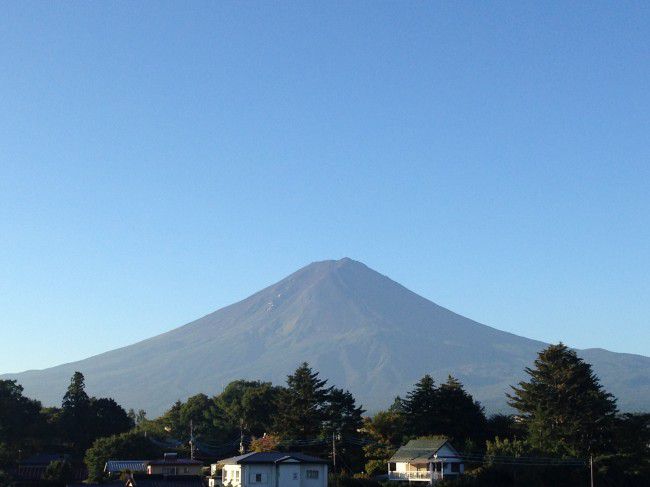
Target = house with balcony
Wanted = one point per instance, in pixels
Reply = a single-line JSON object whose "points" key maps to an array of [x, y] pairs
{"points": [[427, 459]]}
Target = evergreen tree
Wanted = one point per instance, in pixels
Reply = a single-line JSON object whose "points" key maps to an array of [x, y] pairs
{"points": [[420, 408], [563, 405], [75, 412], [461, 418], [302, 405], [343, 420]]}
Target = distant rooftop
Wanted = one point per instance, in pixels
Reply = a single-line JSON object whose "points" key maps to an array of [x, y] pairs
{"points": [[271, 457]]}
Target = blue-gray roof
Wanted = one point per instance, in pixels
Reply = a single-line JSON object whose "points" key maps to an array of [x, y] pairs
{"points": [[420, 449], [271, 457], [116, 466]]}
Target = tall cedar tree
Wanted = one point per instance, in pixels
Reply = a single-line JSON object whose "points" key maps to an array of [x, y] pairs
{"points": [[75, 412], [420, 408], [564, 407], [301, 410]]}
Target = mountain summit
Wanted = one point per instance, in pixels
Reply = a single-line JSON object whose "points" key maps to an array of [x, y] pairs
{"points": [[360, 329]]}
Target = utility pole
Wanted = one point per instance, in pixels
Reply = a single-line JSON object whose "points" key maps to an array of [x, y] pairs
{"points": [[191, 439], [241, 436], [334, 452], [591, 468]]}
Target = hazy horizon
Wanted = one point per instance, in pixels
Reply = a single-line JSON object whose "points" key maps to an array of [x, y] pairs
{"points": [[161, 161]]}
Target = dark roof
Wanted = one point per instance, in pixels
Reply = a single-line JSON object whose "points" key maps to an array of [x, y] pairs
{"points": [[121, 465], [271, 457], [174, 461], [420, 449]]}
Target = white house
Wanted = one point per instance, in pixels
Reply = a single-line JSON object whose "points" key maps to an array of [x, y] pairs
{"points": [[425, 460], [274, 469]]}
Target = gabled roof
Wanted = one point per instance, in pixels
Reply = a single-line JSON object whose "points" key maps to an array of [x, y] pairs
{"points": [[271, 457], [122, 465], [174, 461], [420, 449]]}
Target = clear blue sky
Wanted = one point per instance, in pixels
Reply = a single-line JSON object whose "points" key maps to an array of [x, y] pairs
{"points": [[161, 160]]}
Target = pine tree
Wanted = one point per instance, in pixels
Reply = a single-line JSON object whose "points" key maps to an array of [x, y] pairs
{"points": [[563, 406], [301, 410], [420, 408]]}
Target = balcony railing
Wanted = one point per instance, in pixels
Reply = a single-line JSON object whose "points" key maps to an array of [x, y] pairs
{"points": [[415, 475]]}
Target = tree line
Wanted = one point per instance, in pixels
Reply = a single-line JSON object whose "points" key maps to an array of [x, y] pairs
{"points": [[561, 411]]}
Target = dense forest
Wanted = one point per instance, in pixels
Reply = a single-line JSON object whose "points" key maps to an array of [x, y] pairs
{"points": [[563, 419]]}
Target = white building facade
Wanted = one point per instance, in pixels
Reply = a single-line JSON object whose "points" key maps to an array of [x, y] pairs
{"points": [[274, 469]]}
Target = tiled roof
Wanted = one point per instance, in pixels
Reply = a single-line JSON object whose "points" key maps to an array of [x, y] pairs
{"points": [[419, 450], [122, 465], [271, 457]]}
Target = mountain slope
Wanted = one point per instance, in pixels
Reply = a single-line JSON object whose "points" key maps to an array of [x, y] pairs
{"points": [[360, 329]]}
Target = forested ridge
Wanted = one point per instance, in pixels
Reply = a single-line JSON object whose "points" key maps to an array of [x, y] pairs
{"points": [[564, 419]]}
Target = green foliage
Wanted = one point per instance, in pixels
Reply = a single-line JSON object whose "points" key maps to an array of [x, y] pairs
{"points": [[446, 410], [5, 479], [386, 431], [563, 406], [75, 413], [59, 471], [137, 418], [253, 404], [301, 410], [343, 420], [503, 426], [107, 418], [346, 480], [126, 446], [19, 415]]}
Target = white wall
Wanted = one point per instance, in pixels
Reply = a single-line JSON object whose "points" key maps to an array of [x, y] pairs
{"points": [[266, 470], [321, 481], [229, 475], [269, 475]]}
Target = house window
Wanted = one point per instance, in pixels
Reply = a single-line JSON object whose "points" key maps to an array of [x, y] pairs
{"points": [[312, 474], [258, 478], [295, 476], [186, 469], [455, 467], [392, 466], [236, 475]]}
